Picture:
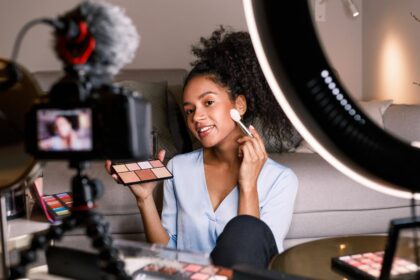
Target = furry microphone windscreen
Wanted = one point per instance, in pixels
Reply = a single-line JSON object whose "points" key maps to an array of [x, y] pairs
{"points": [[116, 37]]}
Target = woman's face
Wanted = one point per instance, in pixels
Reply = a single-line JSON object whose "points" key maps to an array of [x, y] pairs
{"points": [[207, 111], [62, 127]]}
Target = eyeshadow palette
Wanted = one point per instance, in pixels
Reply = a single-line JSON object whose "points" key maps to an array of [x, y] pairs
{"points": [[58, 205], [141, 172], [368, 266], [191, 271]]}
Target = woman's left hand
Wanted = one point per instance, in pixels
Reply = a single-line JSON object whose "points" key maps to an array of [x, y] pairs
{"points": [[254, 156]]}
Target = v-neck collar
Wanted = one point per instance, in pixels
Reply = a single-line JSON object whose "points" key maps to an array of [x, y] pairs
{"points": [[205, 189]]}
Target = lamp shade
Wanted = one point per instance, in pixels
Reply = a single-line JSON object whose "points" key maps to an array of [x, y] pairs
{"points": [[318, 105], [17, 168]]}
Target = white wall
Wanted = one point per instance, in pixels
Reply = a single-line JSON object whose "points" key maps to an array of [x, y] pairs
{"points": [[167, 28], [341, 36], [391, 44]]}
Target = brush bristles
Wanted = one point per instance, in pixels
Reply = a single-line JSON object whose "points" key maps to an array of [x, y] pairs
{"points": [[234, 114]]}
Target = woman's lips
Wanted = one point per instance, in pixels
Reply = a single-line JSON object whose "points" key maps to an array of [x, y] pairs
{"points": [[205, 130]]}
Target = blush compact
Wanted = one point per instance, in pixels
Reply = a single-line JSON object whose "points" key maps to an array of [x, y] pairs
{"points": [[141, 172]]}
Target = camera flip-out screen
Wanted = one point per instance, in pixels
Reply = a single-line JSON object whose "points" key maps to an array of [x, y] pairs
{"points": [[61, 130]]}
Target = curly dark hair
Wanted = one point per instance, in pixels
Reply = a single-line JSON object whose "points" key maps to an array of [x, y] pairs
{"points": [[228, 59], [73, 120]]}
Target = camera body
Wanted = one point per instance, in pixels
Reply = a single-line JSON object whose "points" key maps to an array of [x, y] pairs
{"points": [[75, 121]]}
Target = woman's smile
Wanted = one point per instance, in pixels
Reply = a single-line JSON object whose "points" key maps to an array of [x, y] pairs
{"points": [[203, 131]]}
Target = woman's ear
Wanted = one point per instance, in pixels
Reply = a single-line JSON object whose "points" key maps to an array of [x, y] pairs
{"points": [[240, 104]]}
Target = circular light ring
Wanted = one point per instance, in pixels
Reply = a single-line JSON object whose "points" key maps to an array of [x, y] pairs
{"points": [[309, 92]]}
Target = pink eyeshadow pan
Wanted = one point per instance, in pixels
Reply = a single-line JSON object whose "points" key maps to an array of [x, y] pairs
{"points": [[120, 168], [132, 166], [209, 270], [219, 277], [128, 177], [161, 172], [193, 267], [145, 174], [156, 163], [199, 276], [145, 165]]}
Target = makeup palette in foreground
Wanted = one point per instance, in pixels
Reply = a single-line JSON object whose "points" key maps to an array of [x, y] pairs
{"points": [[141, 172], [368, 266], [182, 271]]}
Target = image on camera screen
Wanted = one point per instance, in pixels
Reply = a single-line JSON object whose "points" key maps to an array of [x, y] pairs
{"points": [[64, 130]]}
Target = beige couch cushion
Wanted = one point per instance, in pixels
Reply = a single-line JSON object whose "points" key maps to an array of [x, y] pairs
{"points": [[403, 121], [329, 203]]}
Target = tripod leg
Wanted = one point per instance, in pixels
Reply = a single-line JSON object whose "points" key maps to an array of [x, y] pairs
{"points": [[85, 191], [40, 241], [97, 228]]}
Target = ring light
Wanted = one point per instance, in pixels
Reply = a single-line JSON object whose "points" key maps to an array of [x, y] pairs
{"points": [[318, 105]]}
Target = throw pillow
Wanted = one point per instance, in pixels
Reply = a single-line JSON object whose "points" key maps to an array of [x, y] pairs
{"points": [[156, 94], [304, 147], [374, 109]]}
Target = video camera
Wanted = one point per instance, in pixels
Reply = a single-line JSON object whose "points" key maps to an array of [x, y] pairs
{"points": [[85, 116], [70, 123]]}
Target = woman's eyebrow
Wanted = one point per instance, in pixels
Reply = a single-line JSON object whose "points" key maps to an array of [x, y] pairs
{"points": [[201, 96]]}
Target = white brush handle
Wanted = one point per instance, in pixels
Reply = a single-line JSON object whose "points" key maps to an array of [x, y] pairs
{"points": [[234, 114], [244, 129]]}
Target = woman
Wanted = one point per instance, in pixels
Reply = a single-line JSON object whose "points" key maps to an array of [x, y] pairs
{"points": [[64, 137], [228, 197]]}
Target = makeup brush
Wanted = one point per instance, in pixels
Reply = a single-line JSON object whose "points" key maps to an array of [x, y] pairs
{"points": [[234, 114]]}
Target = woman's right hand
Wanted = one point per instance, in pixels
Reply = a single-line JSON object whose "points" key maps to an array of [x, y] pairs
{"points": [[140, 191]]}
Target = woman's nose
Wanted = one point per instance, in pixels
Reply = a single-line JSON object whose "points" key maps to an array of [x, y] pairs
{"points": [[198, 115]]}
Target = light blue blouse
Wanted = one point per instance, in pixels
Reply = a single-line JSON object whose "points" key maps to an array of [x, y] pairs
{"points": [[188, 215]]}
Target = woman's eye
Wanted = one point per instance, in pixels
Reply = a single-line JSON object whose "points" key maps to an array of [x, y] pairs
{"points": [[188, 112], [209, 102]]}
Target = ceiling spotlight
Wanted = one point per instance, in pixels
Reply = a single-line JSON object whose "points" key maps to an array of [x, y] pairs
{"points": [[352, 8]]}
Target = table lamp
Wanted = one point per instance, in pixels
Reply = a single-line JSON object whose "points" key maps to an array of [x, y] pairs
{"points": [[17, 168]]}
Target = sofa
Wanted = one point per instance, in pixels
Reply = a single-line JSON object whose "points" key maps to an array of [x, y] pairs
{"points": [[328, 203]]}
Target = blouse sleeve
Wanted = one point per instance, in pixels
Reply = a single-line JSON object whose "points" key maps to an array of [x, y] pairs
{"points": [[169, 209], [277, 212]]}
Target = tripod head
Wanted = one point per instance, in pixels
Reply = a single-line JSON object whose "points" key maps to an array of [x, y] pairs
{"points": [[85, 190]]}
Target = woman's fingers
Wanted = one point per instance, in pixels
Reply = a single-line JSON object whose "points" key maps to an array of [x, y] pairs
{"points": [[245, 150], [115, 177], [258, 141], [249, 151], [255, 146], [108, 164], [161, 155]]}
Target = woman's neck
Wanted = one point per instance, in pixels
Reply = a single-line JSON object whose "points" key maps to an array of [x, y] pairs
{"points": [[66, 141], [226, 152]]}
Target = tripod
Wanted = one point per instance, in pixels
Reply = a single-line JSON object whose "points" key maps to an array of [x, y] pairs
{"points": [[85, 191]]}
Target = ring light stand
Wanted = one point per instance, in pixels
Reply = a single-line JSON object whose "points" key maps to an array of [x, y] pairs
{"points": [[320, 108]]}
